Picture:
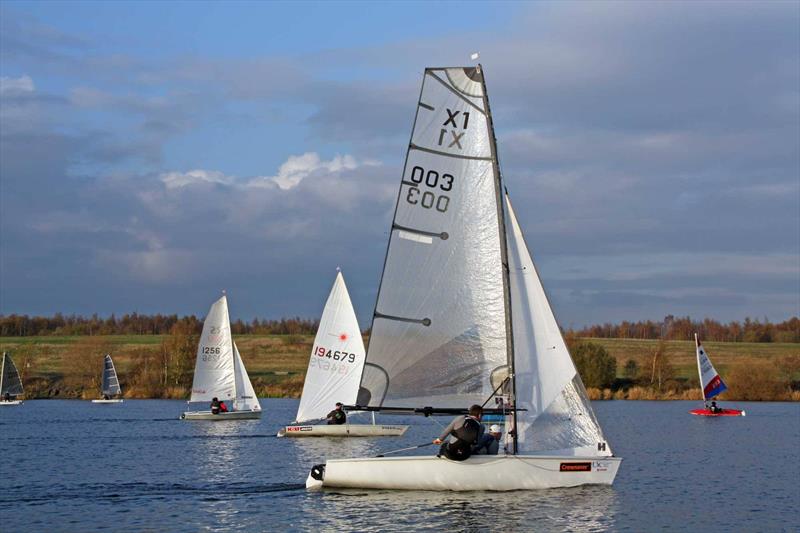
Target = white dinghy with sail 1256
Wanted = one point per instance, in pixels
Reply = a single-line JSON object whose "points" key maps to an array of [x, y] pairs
{"points": [[110, 387], [334, 373], [219, 372], [462, 318]]}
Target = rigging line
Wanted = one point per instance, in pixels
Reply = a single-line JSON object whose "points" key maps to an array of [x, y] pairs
{"points": [[494, 393], [517, 457], [451, 89]]}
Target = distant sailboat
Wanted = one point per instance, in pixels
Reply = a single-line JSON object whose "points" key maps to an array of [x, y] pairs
{"points": [[462, 318], [10, 382], [110, 387], [334, 373], [711, 385], [219, 371]]}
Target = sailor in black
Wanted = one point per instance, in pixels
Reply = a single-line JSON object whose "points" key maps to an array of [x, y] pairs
{"points": [[337, 416], [464, 431]]}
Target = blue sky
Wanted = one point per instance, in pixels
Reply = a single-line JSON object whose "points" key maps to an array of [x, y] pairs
{"points": [[152, 154]]}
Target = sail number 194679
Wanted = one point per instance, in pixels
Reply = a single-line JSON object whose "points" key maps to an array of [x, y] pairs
{"points": [[336, 355]]}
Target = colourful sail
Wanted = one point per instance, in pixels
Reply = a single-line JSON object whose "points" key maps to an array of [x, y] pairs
{"points": [[710, 381]]}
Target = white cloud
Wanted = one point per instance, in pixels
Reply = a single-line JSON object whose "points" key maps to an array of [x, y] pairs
{"points": [[175, 180], [299, 167], [23, 84], [290, 174]]}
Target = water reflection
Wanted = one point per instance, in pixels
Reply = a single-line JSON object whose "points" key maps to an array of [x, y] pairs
{"points": [[591, 508], [218, 462], [312, 450]]}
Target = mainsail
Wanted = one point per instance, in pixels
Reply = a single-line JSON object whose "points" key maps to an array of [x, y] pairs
{"points": [[440, 324], [214, 368], [337, 358], [710, 381], [556, 417], [110, 382], [246, 399], [451, 325], [10, 382]]}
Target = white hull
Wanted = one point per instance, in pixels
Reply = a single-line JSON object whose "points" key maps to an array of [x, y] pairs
{"points": [[113, 400], [481, 472], [343, 430], [11, 402], [231, 415]]}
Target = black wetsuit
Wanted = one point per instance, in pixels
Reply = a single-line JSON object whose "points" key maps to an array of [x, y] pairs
{"points": [[336, 417], [464, 431]]}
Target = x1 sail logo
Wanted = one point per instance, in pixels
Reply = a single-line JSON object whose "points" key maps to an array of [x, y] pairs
{"points": [[215, 335], [575, 467]]}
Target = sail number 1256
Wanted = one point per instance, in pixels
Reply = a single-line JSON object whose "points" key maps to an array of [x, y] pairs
{"points": [[432, 180]]}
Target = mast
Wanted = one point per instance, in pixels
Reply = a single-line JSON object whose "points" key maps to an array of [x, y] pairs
{"points": [[699, 369], [3, 371], [503, 252], [233, 352]]}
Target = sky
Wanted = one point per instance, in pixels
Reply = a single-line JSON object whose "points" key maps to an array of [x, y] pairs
{"points": [[153, 154]]}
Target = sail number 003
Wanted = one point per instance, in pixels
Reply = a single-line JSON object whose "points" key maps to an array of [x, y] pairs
{"points": [[433, 180]]}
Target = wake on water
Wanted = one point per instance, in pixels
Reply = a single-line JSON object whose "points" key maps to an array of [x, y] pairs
{"points": [[133, 490]]}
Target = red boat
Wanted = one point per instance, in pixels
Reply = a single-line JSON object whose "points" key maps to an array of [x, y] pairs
{"points": [[711, 385], [722, 412]]}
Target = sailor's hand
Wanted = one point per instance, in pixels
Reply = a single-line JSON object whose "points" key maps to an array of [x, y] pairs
{"points": [[437, 441]]}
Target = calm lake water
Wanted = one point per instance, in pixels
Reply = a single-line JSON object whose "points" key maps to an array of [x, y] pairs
{"points": [[74, 466]]}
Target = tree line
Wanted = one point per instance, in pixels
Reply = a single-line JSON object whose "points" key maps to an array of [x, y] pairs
{"points": [[671, 328], [139, 324], [684, 328], [654, 376]]}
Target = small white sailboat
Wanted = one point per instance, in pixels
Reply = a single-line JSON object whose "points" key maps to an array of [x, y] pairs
{"points": [[334, 373], [10, 382], [219, 371], [110, 387], [462, 318], [711, 385]]}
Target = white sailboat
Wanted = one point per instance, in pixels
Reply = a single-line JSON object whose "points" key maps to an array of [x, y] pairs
{"points": [[462, 318], [219, 371], [334, 373], [10, 382], [110, 387]]}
